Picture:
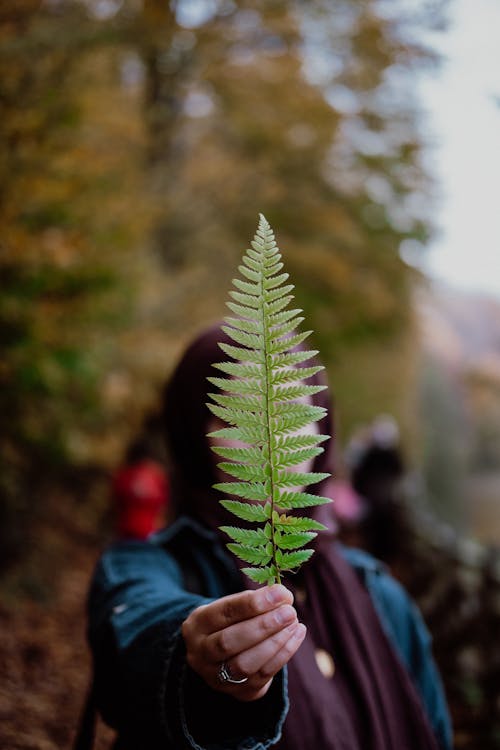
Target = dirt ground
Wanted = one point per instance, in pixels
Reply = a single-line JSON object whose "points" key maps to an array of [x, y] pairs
{"points": [[45, 664]]}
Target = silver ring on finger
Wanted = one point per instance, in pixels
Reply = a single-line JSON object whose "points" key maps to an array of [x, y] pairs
{"points": [[224, 675]]}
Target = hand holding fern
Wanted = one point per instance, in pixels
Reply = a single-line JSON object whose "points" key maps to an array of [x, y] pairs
{"points": [[255, 633]]}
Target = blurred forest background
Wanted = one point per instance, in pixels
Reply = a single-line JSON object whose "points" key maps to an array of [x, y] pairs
{"points": [[139, 141]]}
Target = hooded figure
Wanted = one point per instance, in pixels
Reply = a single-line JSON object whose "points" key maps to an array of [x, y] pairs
{"points": [[365, 699], [363, 678]]}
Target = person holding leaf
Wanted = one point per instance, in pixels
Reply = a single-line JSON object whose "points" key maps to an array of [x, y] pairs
{"points": [[190, 652]]}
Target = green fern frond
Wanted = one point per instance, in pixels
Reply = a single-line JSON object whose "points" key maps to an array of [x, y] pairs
{"points": [[261, 575], [264, 400], [254, 555], [294, 541], [248, 537], [297, 523], [254, 513], [292, 560]]}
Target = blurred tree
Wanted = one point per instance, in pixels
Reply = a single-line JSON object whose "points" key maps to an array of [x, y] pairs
{"points": [[306, 112], [445, 441], [483, 399], [58, 286], [139, 142]]}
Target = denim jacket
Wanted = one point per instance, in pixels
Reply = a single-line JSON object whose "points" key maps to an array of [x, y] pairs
{"points": [[140, 595]]}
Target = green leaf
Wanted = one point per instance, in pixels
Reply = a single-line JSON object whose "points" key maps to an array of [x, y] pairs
{"points": [[248, 490], [249, 537], [300, 479], [236, 417], [275, 294], [289, 423], [243, 455], [290, 359], [295, 540], [246, 472], [292, 392], [254, 555], [249, 273], [256, 255], [260, 575], [301, 411], [251, 387], [246, 299], [270, 270], [291, 560], [292, 500], [293, 374], [253, 513], [246, 287], [251, 340], [239, 370], [243, 355], [255, 265], [277, 347], [295, 442], [270, 282], [283, 317], [271, 260], [253, 436], [245, 312], [246, 403], [250, 326], [285, 328], [297, 457], [298, 523], [280, 304]]}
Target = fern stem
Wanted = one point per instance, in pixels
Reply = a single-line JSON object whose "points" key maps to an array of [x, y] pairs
{"points": [[268, 422]]}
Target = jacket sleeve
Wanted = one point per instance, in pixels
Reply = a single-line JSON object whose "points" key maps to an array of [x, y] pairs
{"points": [[142, 683], [405, 627]]}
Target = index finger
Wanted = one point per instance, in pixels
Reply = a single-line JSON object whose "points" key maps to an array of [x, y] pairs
{"points": [[239, 607]]}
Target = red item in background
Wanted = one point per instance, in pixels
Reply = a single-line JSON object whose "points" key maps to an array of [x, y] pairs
{"points": [[140, 494]]}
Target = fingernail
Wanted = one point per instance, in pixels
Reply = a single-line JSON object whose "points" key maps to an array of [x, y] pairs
{"points": [[285, 614], [276, 594]]}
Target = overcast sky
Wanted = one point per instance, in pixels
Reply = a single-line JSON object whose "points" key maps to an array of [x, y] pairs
{"points": [[463, 114]]}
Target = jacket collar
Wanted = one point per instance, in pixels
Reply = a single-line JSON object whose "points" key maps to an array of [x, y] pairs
{"points": [[180, 526]]}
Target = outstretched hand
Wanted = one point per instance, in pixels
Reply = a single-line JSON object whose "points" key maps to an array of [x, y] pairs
{"points": [[253, 633]]}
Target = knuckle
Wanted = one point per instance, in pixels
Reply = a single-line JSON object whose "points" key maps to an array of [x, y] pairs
{"points": [[265, 624], [264, 674], [229, 611], [240, 607], [222, 645], [237, 668], [251, 603]]}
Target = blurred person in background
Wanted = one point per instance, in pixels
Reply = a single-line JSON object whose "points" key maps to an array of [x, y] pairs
{"points": [[369, 505], [188, 654], [140, 493]]}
